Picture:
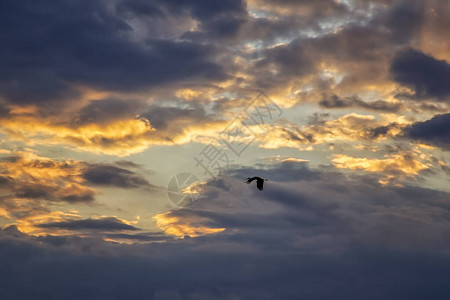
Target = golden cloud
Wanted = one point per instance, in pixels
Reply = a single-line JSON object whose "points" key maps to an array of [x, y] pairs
{"points": [[29, 224], [119, 138], [350, 127], [37, 224], [28, 176], [397, 166], [181, 227]]}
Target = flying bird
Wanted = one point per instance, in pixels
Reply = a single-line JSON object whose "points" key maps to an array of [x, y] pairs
{"points": [[259, 181]]}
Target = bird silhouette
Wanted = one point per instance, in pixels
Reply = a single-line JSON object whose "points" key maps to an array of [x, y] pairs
{"points": [[259, 181]]}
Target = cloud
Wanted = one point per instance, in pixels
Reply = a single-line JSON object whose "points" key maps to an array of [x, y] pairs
{"points": [[137, 238], [29, 183], [46, 64], [395, 166], [29, 222], [350, 127], [115, 127], [28, 176], [216, 19], [162, 117], [42, 223], [405, 20], [107, 224], [424, 74], [304, 237], [179, 227], [107, 175], [105, 111], [433, 131], [118, 77], [300, 8], [380, 105], [325, 212]]}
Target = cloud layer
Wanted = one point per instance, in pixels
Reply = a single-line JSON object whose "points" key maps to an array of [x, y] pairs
{"points": [[356, 202]]}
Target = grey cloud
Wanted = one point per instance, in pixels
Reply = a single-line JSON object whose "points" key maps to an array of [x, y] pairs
{"points": [[72, 186], [161, 117], [57, 45], [100, 224], [143, 237], [108, 175], [40, 191], [318, 237], [215, 20], [106, 110], [426, 75], [405, 19], [434, 131], [382, 131], [337, 207], [287, 61], [354, 101]]}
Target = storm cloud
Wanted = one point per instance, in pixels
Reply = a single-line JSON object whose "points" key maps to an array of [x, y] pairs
{"points": [[356, 205], [434, 131], [109, 175], [58, 45], [308, 237], [103, 224], [427, 76]]}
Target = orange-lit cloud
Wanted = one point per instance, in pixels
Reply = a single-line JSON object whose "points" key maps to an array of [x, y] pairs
{"points": [[182, 227], [350, 127], [59, 223], [32, 186], [398, 165], [118, 137], [29, 224], [28, 176], [4, 213]]}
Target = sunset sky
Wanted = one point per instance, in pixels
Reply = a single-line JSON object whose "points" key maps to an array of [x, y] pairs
{"points": [[127, 128]]}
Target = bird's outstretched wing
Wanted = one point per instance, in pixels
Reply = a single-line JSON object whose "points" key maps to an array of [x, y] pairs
{"points": [[259, 184], [248, 180]]}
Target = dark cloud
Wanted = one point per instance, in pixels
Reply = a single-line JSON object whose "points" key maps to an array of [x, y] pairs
{"points": [[77, 198], [311, 234], [305, 203], [317, 237], [284, 17], [434, 131], [361, 52], [223, 275], [127, 164], [58, 45], [292, 171], [108, 175], [382, 131], [65, 181], [48, 192], [405, 19], [100, 224], [427, 76], [140, 8], [4, 110], [217, 19], [354, 101], [161, 117], [106, 111], [282, 63], [59, 185], [144, 237], [202, 10]]}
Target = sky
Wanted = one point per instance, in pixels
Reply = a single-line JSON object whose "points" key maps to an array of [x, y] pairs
{"points": [[128, 127]]}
